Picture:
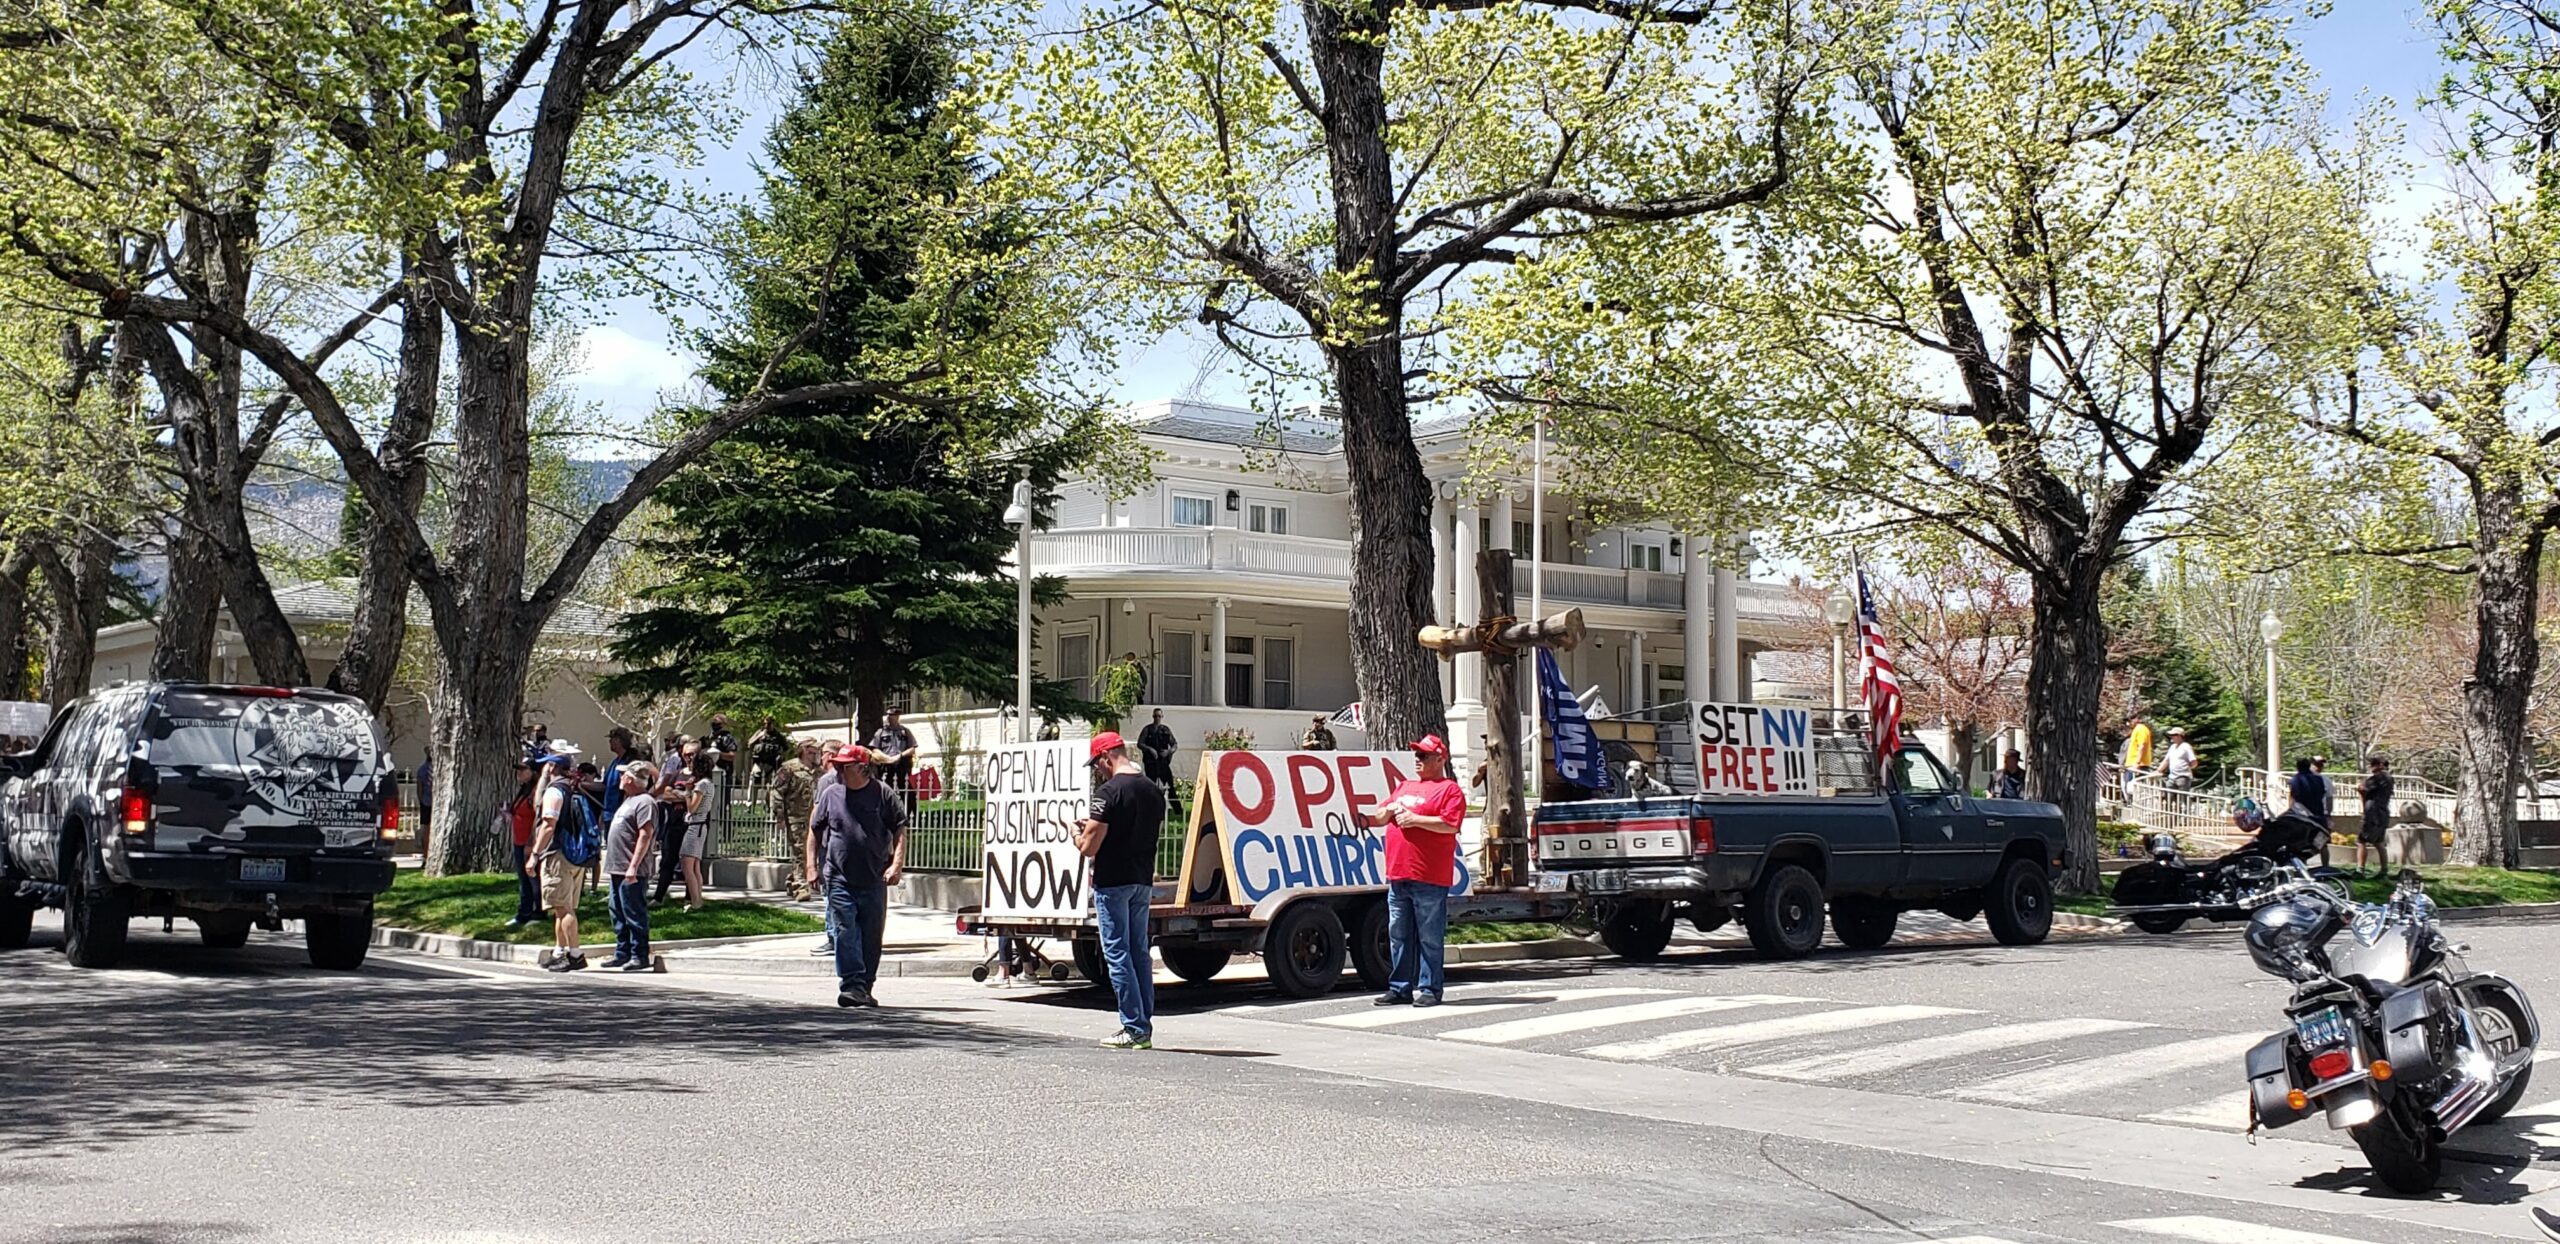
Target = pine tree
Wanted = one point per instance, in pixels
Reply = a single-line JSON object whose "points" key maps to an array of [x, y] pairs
{"points": [[851, 549], [2174, 684]]}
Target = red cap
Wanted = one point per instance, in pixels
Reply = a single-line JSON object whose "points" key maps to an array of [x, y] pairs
{"points": [[1430, 744], [850, 752], [1100, 743]]}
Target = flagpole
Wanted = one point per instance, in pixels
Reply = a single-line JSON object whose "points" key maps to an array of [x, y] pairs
{"points": [[1537, 766]]}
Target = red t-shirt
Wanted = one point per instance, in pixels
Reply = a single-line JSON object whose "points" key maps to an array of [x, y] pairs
{"points": [[522, 815], [1421, 854]]}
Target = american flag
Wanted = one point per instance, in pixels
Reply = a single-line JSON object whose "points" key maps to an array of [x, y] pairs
{"points": [[1877, 682]]}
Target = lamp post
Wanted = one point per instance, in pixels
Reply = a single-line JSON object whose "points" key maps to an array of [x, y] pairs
{"points": [[1019, 514], [1837, 608], [2271, 629]]}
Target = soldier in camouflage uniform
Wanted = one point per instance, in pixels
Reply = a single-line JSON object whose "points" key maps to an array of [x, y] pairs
{"points": [[794, 795]]}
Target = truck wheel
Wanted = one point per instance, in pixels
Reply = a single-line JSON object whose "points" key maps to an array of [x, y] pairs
{"points": [[1195, 963], [1371, 956], [95, 914], [1090, 964], [227, 930], [338, 940], [1784, 913], [1637, 932], [1862, 923], [1303, 950], [2019, 904]]}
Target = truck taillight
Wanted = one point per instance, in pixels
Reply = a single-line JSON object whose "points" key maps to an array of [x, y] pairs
{"points": [[136, 808], [390, 815], [1702, 836]]}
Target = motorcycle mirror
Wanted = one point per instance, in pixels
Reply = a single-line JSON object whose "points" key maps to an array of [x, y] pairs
{"points": [[2408, 876]]}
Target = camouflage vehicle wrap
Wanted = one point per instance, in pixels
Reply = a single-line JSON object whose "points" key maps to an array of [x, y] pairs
{"points": [[224, 804]]}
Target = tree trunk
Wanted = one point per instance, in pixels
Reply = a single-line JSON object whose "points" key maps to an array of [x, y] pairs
{"points": [[371, 657], [265, 631], [2494, 696], [190, 606], [1391, 568], [14, 571], [2066, 670], [76, 586], [1963, 738], [474, 745]]}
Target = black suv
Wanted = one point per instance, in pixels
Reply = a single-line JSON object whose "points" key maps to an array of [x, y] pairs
{"points": [[230, 806]]}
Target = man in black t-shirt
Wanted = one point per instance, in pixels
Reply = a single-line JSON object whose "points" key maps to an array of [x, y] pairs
{"points": [[862, 829], [1120, 838]]}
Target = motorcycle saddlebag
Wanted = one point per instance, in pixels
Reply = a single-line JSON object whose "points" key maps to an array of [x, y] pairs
{"points": [[2407, 1015], [2150, 885], [2270, 1078]]}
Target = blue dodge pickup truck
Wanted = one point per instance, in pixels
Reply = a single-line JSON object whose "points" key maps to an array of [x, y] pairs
{"points": [[1779, 861]]}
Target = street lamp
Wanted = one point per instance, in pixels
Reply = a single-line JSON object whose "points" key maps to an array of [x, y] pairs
{"points": [[1838, 609], [2271, 629], [1019, 514]]}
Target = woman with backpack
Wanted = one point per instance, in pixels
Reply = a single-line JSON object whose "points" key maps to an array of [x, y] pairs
{"points": [[701, 812]]}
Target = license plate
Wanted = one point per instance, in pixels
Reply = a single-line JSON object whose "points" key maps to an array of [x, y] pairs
{"points": [[262, 870], [2324, 1029], [1548, 883]]}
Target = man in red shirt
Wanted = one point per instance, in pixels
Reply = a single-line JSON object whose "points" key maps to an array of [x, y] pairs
{"points": [[1421, 819]]}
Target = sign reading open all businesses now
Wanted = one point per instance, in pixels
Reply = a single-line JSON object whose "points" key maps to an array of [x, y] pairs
{"points": [[1271, 822], [1754, 749], [1036, 794]]}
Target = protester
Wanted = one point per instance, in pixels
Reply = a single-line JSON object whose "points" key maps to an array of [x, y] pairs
{"points": [[723, 741], [2178, 764], [866, 844], [768, 748], [2310, 793], [670, 749], [2375, 829], [2137, 747], [793, 798], [560, 878], [1156, 746], [621, 754], [520, 817], [627, 842], [1421, 817], [1120, 838], [893, 758], [2011, 781], [702, 809], [816, 841], [1318, 738], [675, 798], [426, 796]]}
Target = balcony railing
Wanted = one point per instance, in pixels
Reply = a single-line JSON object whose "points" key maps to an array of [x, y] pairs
{"points": [[1213, 549]]}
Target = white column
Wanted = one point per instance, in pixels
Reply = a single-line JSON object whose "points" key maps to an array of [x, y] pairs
{"points": [[1635, 672], [1697, 570], [1443, 582], [1501, 520], [1727, 630], [1218, 654], [1466, 594]]}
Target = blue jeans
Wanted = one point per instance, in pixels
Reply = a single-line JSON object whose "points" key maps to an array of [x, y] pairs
{"points": [[628, 903], [1417, 925], [860, 914], [528, 891], [1120, 911]]}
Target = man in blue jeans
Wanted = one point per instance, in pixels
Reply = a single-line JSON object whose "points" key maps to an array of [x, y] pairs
{"points": [[1421, 818], [627, 840], [1120, 838], [864, 830]]}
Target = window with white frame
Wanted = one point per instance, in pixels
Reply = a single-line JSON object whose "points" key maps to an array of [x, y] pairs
{"points": [[1181, 663], [1643, 555], [1240, 671], [1075, 658], [1194, 511], [1267, 517], [1279, 672], [1519, 538]]}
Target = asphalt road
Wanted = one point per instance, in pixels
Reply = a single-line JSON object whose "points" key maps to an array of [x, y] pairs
{"points": [[1852, 1098]]}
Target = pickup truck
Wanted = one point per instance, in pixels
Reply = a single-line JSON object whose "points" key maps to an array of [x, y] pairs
{"points": [[1778, 861]]}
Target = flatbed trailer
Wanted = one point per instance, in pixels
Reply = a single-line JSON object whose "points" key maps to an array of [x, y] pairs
{"points": [[1305, 937]]}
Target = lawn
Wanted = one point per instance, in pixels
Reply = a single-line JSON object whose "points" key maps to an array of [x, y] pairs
{"points": [[1471, 934], [2448, 885], [478, 905]]}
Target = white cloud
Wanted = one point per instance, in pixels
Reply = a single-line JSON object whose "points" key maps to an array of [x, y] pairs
{"points": [[611, 358]]}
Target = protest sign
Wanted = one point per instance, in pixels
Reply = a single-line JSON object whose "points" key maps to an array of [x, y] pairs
{"points": [[1276, 822], [1754, 749], [1036, 795]]}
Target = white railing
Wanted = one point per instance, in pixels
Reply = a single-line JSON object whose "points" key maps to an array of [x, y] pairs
{"points": [[1191, 548], [2200, 818]]}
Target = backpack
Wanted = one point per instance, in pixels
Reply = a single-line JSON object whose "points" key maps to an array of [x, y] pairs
{"points": [[579, 831]]}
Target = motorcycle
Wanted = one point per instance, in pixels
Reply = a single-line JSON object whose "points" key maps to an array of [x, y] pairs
{"points": [[2162, 895], [2393, 1036]]}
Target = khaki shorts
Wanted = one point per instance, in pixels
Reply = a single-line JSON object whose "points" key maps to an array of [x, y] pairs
{"points": [[560, 882]]}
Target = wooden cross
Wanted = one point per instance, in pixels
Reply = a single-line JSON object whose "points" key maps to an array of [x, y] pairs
{"points": [[1502, 638]]}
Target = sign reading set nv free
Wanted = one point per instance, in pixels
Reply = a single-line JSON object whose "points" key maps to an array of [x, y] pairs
{"points": [[1272, 822], [1036, 795], [1754, 749]]}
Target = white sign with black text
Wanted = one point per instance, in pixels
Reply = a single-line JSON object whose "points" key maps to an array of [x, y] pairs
{"points": [[1036, 795]]}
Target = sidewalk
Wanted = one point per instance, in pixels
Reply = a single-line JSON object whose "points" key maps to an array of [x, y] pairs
{"points": [[916, 941]]}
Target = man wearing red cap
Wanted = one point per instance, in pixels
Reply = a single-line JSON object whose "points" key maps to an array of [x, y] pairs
{"points": [[1120, 838], [1421, 819], [864, 829]]}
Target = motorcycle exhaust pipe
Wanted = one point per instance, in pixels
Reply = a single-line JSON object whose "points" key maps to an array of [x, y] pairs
{"points": [[2462, 1103]]}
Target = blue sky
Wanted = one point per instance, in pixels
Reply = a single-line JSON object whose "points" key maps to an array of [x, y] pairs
{"points": [[2361, 46]]}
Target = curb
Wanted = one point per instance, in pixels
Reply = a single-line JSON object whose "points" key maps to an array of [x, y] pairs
{"points": [[2527, 912], [447, 946]]}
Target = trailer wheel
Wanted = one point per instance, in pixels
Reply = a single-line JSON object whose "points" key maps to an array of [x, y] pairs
{"points": [[1090, 964], [1371, 956], [1303, 950], [1195, 963], [1784, 913], [1638, 931]]}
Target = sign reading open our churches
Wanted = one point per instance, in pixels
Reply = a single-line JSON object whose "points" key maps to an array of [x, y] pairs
{"points": [[1273, 822]]}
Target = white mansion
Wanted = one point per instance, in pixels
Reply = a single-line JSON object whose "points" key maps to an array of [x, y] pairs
{"points": [[1229, 576]]}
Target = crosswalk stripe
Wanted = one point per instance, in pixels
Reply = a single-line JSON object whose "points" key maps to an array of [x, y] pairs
{"points": [[2545, 1120], [1612, 1016], [2226, 1231], [1390, 1016], [2083, 1075], [1727, 1036], [1938, 1049], [2228, 1111], [1969, 1239]]}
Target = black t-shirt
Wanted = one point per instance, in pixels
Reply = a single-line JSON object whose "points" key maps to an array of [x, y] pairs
{"points": [[1131, 809], [860, 829]]}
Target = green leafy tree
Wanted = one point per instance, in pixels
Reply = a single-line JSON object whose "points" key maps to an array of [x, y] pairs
{"points": [[862, 547], [2174, 683]]}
